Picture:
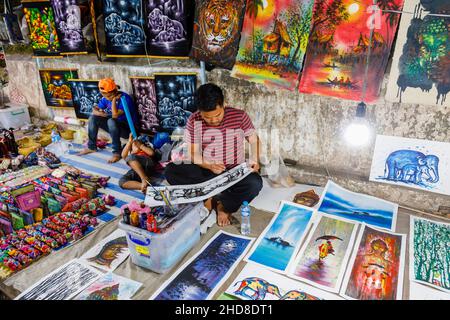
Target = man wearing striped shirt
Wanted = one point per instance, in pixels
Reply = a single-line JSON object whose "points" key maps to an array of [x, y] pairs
{"points": [[216, 136]]}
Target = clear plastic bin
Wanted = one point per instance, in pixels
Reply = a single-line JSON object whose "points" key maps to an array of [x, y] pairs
{"points": [[14, 116], [159, 252]]}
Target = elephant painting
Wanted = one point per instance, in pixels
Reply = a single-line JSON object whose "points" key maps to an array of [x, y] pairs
{"points": [[255, 288], [411, 166]]}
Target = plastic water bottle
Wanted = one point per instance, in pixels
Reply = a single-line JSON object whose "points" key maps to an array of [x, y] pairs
{"points": [[245, 216], [55, 136]]}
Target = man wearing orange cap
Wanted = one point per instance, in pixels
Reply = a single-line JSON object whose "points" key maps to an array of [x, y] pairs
{"points": [[110, 116]]}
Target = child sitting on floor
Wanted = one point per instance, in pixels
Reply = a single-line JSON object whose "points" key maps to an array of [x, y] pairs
{"points": [[139, 157]]}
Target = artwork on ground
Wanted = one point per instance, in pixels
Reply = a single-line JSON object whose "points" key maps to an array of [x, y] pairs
{"points": [[124, 27], [429, 254], [376, 268], [110, 287], [169, 27], [62, 284], [145, 98], [360, 207], [197, 192], [217, 28], [421, 61], [258, 283], [56, 86], [109, 253], [13, 27], [202, 275], [280, 241], [42, 28], [414, 163], [325, 253], [175, 98], [273, 42], [68, 25], [85, 95], [338, 46]]}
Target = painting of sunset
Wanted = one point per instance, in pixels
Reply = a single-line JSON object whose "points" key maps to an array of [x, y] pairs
{"points": [[339, 45], [273, 42]]}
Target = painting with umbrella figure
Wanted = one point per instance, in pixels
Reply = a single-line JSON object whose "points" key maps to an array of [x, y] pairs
{"points": [[343, 33], [202, 275], [278, 243], [324, 255]]}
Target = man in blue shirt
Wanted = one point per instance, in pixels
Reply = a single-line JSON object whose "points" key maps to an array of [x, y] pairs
{"points": [[110, 116]]}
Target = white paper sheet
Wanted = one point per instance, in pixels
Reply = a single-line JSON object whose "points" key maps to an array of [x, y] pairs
{"points": [[197, 192]]}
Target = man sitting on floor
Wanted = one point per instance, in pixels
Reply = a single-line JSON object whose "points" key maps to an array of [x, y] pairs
{"points": [[110, 116], [211, 133], [139, 157]]}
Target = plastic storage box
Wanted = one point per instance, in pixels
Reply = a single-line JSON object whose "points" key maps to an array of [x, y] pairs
{"points": [[14, 116], [161, 251]]}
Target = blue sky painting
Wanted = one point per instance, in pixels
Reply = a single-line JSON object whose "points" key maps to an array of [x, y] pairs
{"points": [[281, 239], [358, 207], [201, 276]]}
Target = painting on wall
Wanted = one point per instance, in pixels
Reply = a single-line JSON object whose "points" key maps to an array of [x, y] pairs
{"points": [[339, 44], [256, 283], [124, 28], [280, 241], [64, 283], [376, 268], [202, 275], [421, 61], [145, 98], [110, 287], [413, 163], [56, 86], [86, 94], [68, 25], [13, 27], [360, 207], [323, 257], [169, 27], [175, 98], [42, 28], [217, 28], [109, 253], [429, 255], [273, 42]]}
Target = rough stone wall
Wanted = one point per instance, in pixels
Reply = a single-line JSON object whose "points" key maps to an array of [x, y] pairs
{"points": [[310, 127]]}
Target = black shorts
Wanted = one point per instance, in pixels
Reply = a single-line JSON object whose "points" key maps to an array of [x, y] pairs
{"points": [[146, 163]]}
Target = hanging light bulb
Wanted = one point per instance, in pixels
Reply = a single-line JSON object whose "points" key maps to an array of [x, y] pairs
{"points": [[358, 133]]}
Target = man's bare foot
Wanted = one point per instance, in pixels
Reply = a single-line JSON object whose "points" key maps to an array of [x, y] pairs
{"points": [[114, 158], [223, 218], [85, 151]]}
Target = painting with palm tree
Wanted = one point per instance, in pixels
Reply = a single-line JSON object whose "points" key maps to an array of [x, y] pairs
{"points": [[344, 34], [273, 42], [421, 63]]}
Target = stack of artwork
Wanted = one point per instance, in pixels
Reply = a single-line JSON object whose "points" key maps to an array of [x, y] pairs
{"points": [[86, 94], [56, 87], [145, 98]]}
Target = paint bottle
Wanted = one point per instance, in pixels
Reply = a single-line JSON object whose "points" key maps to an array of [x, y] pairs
{"points": [[143, 221], [151, 223], [126, 215], [134, 218]]}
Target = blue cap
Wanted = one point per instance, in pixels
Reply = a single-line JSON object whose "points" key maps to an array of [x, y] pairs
{"points": [[245, 203]]}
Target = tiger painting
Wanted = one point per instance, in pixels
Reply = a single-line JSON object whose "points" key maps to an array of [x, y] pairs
{"points": [[217, 31]]}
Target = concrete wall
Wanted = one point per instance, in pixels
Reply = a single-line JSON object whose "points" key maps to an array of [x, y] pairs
{"points": [[310, 126]]}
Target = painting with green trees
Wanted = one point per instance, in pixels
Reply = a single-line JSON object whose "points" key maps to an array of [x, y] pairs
{"points": [[421, 63], [429, 253], [273, 42]]}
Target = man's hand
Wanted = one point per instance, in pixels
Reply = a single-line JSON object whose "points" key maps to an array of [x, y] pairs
{"points": [[98, 112], [217, 168], [144, 186], [130, 138], [117, 97]]}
